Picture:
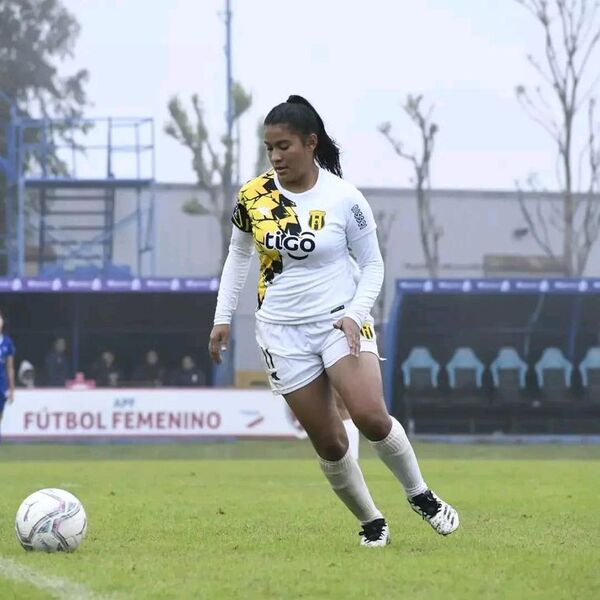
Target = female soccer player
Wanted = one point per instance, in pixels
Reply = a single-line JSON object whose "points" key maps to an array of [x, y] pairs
{"points": [[352, 432], [312, 322], [7, 369]]}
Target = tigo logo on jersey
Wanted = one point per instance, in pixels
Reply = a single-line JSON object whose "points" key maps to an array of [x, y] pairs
{"points": [[316, 219], [292, 243]]}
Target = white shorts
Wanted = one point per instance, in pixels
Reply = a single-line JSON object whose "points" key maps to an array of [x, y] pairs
{"points": [[295, 355]]}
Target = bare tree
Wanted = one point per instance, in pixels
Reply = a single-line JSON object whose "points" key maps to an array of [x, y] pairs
{"points": [[571, 31], [385, 222], [262, 160], [213, 168], [430, 231]]}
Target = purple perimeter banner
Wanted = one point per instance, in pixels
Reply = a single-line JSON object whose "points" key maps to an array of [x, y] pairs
{"points": [[211, 284], [494, 286], [148, 284]]}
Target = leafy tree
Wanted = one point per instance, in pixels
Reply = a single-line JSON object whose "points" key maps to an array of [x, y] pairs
{"points": [[36, 36]]}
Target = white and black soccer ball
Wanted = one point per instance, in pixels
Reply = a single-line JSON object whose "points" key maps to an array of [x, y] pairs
{"points": [[51, 520]]}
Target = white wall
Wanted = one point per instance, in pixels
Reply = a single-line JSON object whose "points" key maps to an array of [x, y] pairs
{"points": [[475, 223], [185, 245]]}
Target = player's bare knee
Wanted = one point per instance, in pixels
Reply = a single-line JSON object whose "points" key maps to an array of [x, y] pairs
{"points": [[374, 427], [331, 447]]}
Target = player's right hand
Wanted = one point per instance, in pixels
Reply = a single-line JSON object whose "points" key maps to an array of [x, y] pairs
{"points": [[352, 332], [218, 342]]}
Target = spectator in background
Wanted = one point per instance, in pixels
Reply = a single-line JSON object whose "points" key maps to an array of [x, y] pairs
{"points": [[26, 374], [104, 371], [188, 374], [150, 372], [7, 368], [57, 364]]}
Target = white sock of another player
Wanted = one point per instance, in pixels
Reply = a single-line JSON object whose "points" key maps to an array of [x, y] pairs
{"points": [[397, 453], [347, 481], [353, 437]]}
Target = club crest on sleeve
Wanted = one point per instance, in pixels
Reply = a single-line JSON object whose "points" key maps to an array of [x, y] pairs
{"points": [[316, 219]]}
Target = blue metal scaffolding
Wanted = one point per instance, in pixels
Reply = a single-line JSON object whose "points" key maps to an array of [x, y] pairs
{"points": [[71, 185]]}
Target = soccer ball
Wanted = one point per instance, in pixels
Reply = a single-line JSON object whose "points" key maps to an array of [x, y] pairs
{"points": [[51, 520]]}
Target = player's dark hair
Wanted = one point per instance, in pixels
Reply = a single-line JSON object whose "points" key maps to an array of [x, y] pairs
{"points": [[298, 114]]}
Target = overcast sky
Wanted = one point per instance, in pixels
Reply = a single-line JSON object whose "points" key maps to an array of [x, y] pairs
{"points": [[355, 61]]}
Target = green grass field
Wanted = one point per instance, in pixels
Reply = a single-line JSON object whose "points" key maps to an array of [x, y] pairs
{"points": [[257, 520]]}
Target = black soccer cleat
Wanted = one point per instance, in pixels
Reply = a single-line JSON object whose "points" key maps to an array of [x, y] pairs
{"points": [[439, 514], [375, 534]]}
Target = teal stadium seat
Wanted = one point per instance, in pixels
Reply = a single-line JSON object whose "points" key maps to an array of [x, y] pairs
{"points": [[509, 373], [420, 370], [464, 369], [589, 368], [554, 373], [508, 369]]}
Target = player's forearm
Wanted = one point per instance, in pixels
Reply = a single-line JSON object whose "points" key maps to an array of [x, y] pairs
{"points": [[11, 380], [233, 277], [368, 256]]}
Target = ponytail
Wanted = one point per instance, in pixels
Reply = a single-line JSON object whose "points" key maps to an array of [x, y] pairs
{"points": [[299, 114]]}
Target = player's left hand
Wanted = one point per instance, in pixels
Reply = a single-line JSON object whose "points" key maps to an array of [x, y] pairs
{"points": [[218, 342], [10, 397], [352, 332]]}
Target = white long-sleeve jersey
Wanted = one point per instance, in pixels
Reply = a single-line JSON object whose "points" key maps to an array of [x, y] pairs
{"points": [[303, 241]]}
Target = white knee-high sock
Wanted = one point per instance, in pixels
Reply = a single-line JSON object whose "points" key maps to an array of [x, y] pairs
{"points": [[397, 453], [353, 437], [347, 481]]}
